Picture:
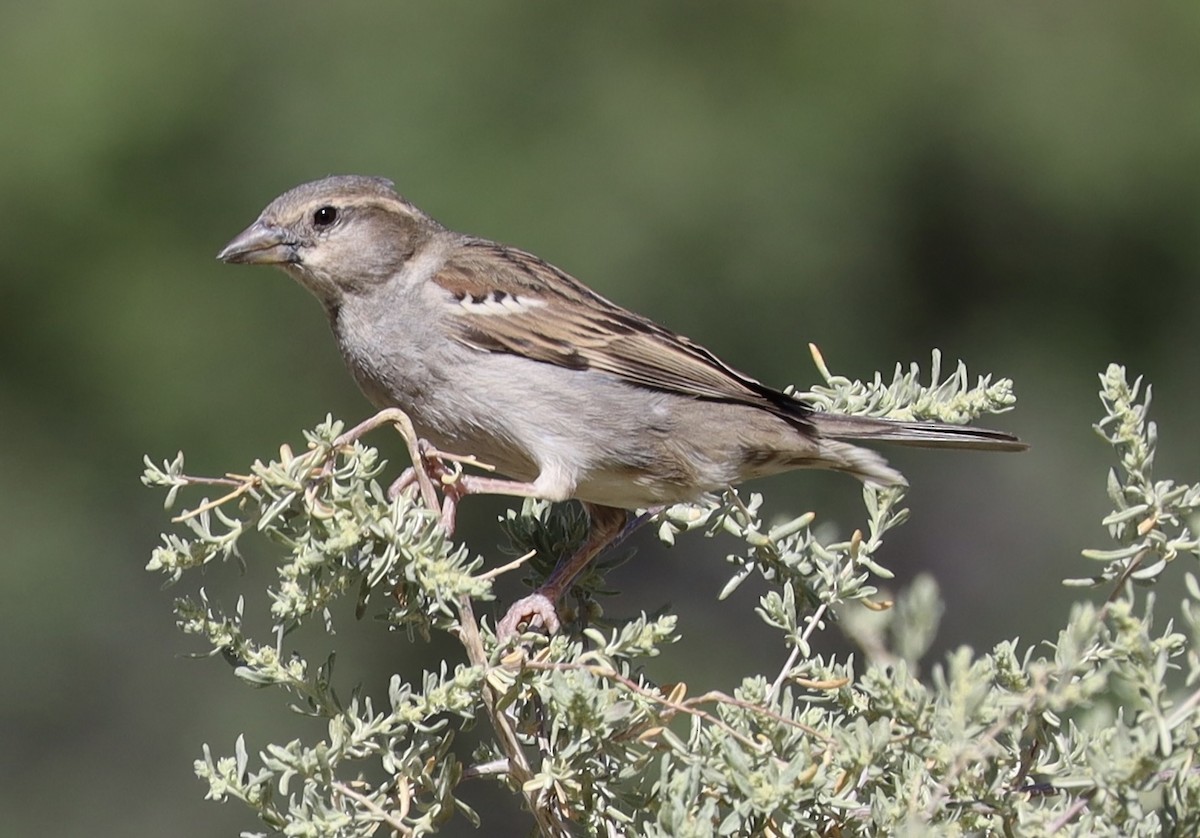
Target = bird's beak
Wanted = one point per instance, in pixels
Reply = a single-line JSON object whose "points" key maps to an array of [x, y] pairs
{"points": [[260, 244]]}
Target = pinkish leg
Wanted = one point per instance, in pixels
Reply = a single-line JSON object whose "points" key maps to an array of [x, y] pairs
{"points": [[538, 610]]}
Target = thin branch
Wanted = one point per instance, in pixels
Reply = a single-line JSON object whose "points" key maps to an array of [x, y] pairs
{"points": [[399, 419], [1183, 710], [1072, 812], [505, 568], [1133, 565], [462, 459], [486, 769], [758, 709], [548, 823], [227, 480], [374, 808], [787, 667], [690, 706], [213, 504]]}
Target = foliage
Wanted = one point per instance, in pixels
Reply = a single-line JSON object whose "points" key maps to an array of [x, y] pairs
{"points": [[1083, 735]]}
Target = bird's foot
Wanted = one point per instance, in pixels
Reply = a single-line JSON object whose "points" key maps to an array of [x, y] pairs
{"points": [[430, 469], [444, 470], [428, 463], [535, 611]]}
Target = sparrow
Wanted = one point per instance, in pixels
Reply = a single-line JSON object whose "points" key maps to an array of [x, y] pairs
{"points": [[496, 353]]}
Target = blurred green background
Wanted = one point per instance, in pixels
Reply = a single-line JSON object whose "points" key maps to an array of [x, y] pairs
{"points": [[1017, 184]]}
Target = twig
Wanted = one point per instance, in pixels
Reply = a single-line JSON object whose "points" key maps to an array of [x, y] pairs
{"points": [[1133, 565], [464, 459], [375, 809], [227, 480], [725, 698], [505, 568], [1072, 812], [213, 504], [485, 769], [690, 706], [1183, 710], [549, 824], [787, 667], [398, 418]]}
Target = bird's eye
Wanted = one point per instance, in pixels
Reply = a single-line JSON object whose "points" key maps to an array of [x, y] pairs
{"points": [[325, 216]]}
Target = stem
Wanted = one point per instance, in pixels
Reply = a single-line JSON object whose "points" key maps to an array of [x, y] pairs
{"points": [[548, 822], [787, 667]]}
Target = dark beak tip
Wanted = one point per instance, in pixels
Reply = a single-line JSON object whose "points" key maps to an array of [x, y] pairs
{"points": [[259, 244], [231, 255]]}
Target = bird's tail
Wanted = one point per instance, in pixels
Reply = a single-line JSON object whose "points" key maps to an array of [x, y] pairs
{"points": [[917, 434], [868, 466]]}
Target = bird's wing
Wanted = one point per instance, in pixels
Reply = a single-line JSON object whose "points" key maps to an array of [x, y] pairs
{"points": [[506, 300]]}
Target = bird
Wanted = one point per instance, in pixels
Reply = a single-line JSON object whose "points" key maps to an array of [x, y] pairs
{"points": [[495, 353]]}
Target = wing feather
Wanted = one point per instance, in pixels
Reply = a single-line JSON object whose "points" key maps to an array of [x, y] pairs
{"points": [[506, 300]]}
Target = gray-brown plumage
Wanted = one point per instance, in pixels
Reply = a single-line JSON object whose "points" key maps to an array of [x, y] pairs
{"points": [[493, 352]]}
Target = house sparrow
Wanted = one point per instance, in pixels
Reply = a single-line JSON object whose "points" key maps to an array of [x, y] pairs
{"points": [[493, 352]]}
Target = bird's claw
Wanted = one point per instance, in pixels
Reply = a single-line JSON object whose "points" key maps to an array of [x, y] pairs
{"points": [[436, 473], [535, 611]]}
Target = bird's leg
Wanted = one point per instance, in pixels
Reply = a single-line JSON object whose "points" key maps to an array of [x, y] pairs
{"points": [[428, 463], [435, 468], [608, 526], [458, 485], [634, 524]]}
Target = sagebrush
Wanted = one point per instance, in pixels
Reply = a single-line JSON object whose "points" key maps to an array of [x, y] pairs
{"points": [[1082, 734]]}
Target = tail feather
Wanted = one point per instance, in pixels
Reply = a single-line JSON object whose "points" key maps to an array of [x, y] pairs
{"points": [[917, 434]]}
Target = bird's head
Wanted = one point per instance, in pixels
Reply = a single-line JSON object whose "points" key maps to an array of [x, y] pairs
{"points": [[337, 236]]}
